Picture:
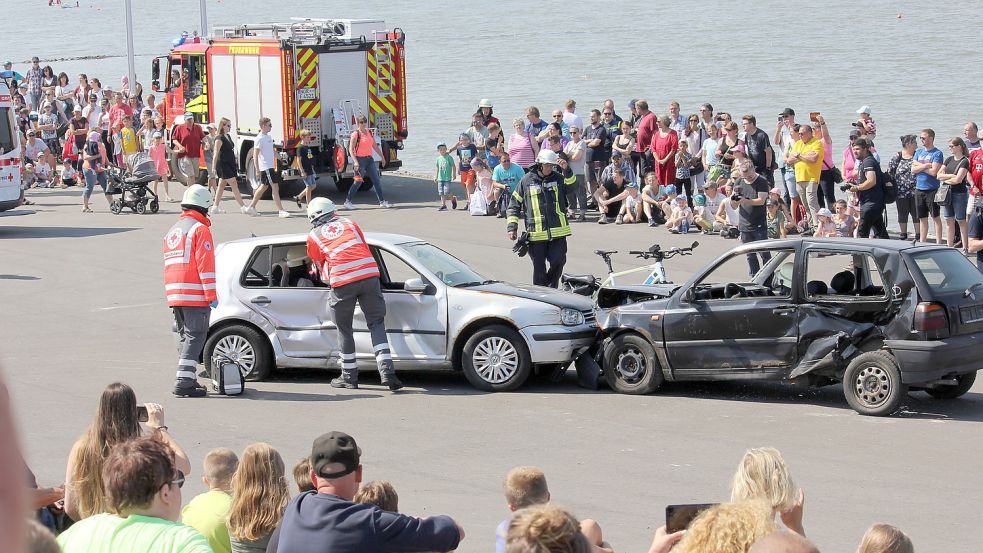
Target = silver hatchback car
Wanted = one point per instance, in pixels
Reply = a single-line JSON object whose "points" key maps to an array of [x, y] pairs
{"points": [[440, 314]]}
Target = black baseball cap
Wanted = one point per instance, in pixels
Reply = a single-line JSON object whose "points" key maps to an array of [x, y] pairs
{"points": [[787, 111], [334, 455]]}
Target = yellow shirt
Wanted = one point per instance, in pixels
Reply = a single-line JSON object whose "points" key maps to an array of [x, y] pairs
{"points": [[804, 170], [206, 513], [129, 139]]}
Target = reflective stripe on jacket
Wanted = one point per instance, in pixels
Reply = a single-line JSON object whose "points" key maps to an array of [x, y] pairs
{"points": [[542, 204], [338, 249], [189, 262]]}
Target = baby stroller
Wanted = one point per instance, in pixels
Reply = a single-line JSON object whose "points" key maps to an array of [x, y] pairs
{"points": [[132, 184]]}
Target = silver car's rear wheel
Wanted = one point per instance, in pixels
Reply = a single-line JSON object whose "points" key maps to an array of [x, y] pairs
{"points": [[495, 359], [244, 345]]}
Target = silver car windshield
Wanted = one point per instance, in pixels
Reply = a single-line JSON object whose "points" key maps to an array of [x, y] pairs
{"points": [[449, 269]]}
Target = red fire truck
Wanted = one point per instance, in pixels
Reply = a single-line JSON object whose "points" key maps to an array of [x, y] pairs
{"points": [[314, 74]]}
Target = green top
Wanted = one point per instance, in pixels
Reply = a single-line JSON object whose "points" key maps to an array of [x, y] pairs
{"points": [[106, 533], [206, 513], [445, 165]]}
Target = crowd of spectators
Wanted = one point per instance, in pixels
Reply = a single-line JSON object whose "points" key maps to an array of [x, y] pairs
{"points": [[686, 172], [124, 480]]}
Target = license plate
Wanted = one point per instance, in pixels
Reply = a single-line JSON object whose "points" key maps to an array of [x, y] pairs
{"points": [[307, 94], [971, 314]]}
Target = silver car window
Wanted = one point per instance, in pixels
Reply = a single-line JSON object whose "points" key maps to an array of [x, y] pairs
{"points": [[449, 269]]}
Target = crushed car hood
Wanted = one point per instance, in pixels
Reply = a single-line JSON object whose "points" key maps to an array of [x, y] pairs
{"points": [[537, 293], [615, 296]]}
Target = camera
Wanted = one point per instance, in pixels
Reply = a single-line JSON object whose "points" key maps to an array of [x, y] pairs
{"points": [[781, 118], [845, 186], [855, 124], [736, 197]]}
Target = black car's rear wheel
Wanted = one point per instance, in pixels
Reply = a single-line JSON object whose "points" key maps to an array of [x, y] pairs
{"points": [[630, 366], [951, 391], [872, 384]]}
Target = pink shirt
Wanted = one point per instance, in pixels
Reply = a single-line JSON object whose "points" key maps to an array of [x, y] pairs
{"points": [[158, 153], [849, 164], [365, 142], [520, 151]]}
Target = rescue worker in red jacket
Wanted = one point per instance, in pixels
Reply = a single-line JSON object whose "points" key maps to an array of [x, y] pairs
{"points": [[189, 284], [343, 260]]}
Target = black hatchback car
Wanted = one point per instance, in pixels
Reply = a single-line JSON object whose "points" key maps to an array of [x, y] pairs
{"points": [[880, 316]]}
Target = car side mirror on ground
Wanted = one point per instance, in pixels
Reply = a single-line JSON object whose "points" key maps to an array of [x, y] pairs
{"points": [[416, 285]]}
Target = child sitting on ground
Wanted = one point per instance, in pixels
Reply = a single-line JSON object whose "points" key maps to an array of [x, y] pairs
{"points": [[526, 487], [207, 512], [702, 215], [631, 207], [775, 219], [380, 493], [681, 217], [824, 225], [650, 200], [69, 175], [667, 199], [302, 476], [44, 173]]}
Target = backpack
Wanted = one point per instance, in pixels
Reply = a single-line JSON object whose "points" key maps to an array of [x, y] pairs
{"points": [[227, 376], [886, 181]]}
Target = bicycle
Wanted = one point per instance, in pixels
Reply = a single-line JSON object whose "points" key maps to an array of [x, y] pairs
{"points": [[588, 285]]}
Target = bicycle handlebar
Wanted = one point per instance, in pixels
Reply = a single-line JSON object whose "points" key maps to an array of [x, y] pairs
{"points": [[658, 253]]}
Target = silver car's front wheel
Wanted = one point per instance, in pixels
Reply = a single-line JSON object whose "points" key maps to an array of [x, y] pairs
{"points": [[495, 359], [244, 345]]}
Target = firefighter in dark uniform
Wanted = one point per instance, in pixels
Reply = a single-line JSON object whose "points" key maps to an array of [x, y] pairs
{"points": [[540, 201]]}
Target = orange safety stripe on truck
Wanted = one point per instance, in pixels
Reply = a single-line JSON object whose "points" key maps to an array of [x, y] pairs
{"points": [[307, 80], [287, 89]]}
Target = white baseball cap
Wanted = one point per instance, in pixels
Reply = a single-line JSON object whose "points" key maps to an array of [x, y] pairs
{"points": [[864, 109]]}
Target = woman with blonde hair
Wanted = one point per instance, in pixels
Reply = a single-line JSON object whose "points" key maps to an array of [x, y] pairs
{"points": [[763, 475], [225, 165], [259, 496], [116, 421], [884, 538], [727, 528]]}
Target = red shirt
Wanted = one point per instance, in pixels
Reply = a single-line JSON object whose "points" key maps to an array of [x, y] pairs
{"points": [[976, 171], [116, 113], [646, 128], [189, 138]]}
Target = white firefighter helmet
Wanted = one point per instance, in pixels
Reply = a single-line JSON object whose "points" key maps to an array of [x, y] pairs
{"points": [[548, 156], [319, 207], [197, 195]]}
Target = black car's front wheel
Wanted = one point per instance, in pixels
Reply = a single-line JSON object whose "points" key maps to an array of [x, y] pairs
{"points": [[951, 391], [872, 384], [630, 366]]}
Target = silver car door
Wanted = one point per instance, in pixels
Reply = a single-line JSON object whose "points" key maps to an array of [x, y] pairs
{"points": [[276, 287], [416, 321]]}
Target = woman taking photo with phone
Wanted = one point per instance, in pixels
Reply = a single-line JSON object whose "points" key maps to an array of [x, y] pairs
{"points": [[117, 420]]}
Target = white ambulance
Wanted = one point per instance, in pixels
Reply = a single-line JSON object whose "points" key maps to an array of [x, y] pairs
{"points": [[11, 195]]}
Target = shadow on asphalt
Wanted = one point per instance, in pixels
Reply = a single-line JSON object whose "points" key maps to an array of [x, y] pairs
{"points": [[59, 232], [19, 277], [919, 405], [295, 396]]}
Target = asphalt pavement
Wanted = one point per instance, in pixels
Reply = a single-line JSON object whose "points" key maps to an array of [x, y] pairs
{"points": [[83, 305]]}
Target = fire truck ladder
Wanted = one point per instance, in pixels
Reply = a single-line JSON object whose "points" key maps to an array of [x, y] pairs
{"points": [[300, 32], [384, 66]]}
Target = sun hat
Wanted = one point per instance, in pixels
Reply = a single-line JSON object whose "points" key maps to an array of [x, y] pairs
{"points": [[823, 212], [484, 103], [864, 109]]}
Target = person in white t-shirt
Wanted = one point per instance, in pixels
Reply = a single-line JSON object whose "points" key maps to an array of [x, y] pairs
{"points": [[264, 159], [570, 117]]}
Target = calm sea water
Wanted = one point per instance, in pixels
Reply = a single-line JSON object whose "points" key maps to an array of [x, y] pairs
{"points": [[743, 57]]}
